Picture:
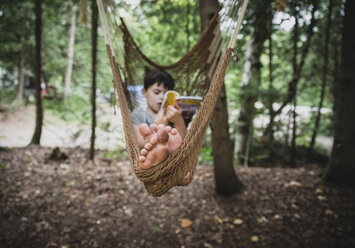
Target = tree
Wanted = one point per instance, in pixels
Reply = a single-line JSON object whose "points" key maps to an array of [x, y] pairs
{"points": [[341, 168], [94, 24], [39, 109], [16, 43], [324, 76], [251, 76], [70, 57], [294, 66], [226, 179]]}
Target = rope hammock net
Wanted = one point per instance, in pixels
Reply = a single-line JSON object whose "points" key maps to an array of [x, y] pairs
{"points": [[200, 72]]}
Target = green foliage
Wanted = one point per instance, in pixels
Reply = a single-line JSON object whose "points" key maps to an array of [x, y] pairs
{"points": [[3, 166], [205, 156], [76, 108], [114, 154], [160, 28], [155, 229]]}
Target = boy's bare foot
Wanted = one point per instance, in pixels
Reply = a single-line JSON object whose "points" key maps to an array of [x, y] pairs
{"points": [[175, 140], [162, 140]]}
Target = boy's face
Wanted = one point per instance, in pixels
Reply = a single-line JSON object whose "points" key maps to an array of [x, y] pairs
{"points": [[154, 95]]}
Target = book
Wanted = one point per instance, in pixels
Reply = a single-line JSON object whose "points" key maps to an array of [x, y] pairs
{"points": [[188, 104]]}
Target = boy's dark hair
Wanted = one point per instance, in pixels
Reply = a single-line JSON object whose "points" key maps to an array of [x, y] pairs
{"points": [[158, 76]]}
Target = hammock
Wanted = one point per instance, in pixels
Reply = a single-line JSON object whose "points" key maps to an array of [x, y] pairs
{"points": [[200, 72]]}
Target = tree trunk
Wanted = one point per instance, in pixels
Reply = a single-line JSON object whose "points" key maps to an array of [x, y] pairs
{"points": [[341, 168], [70, 56], [251, 76], [39, 109], [226, 180], [270, 134], [294, 65], [93, 71], [19, 96], [324, 76], [294, 133]]}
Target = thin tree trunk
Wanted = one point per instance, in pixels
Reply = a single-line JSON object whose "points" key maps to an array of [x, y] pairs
{"points": [[70, 55], [292, 85], [294, 132], [93, 71], [270, 133], [324, 76], [226, 179], [19, 96], [341, 168], [251, 77], [294, 65], [39, 109]]}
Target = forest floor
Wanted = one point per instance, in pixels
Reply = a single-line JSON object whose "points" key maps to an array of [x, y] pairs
{"points": [[78, 203]]}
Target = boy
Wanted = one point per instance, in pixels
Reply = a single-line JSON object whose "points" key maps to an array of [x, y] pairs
{"points": [[154, 136]]}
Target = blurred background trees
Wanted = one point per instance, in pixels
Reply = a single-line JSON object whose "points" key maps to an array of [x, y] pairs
{"points": [[280, 96]]}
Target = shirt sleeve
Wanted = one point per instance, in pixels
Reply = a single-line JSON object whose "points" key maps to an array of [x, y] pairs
{"points": [[137, 117]]}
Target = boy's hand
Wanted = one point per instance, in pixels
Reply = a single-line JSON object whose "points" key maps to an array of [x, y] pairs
{"points": [[173, 113], [160, 118]]}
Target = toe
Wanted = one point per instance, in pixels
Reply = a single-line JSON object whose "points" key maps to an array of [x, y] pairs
{"points": [[144, 130], [154, 127], [141, 159], [160, 126], [168, 129], [148, 146], [173, 131], [144, 152]]}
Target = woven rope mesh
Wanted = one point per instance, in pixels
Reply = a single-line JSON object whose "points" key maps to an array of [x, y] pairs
{"points": [[193, 75]]}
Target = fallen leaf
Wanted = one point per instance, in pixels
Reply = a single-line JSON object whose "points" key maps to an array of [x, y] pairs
{"points": [[254, 239], [186, 223], [218, 220], [329, 212], [207, 245], [238, 221], [319, 190], [322, 198], [295, 183]]}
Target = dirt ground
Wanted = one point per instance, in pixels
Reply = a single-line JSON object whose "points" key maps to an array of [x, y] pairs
{"points": [[78, 203]]}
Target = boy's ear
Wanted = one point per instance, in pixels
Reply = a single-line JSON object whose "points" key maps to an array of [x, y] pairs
{"points": [[144, 92]]}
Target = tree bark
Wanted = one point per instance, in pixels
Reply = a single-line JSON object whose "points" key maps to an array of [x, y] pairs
{"points": [[93, 72], [341, 168], [252, 76], [39, 109], [294, 65], [226, 179], [324, 75], [19, 96], [294, 132], [270, 135], [70, 56]]}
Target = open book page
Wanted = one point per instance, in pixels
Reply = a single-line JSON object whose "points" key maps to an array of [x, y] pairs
{"points": [[189, 106], [169, 98]]}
